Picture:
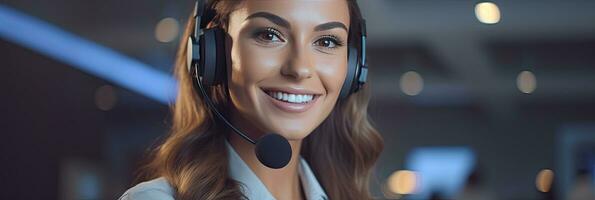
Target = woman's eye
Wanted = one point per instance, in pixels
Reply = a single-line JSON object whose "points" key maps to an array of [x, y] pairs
{"points": [[328, 42], [269, 35]]}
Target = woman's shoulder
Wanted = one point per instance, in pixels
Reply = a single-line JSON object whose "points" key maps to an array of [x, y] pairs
{"points": [[154, 189]]}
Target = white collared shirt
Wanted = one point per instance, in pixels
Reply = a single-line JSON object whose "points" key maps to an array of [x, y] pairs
{"points": [[251, 185]]}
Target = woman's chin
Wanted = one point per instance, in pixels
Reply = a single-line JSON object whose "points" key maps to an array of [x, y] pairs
{"points": [[294, 135]]}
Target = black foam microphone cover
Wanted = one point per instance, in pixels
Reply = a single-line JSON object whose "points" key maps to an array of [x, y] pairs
{"points": [[273, 150]]}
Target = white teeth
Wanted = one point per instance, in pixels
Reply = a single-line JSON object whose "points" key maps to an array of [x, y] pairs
{"points": [[308, 97], [292, 98]]}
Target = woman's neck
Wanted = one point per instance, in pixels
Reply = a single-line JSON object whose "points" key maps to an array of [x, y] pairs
{"points": [[282, 183]]}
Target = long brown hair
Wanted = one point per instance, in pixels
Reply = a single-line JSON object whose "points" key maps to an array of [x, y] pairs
{"points": [[193, 157]]}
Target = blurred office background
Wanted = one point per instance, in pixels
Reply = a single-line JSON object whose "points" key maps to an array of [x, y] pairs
{"points": [[475, 100]]}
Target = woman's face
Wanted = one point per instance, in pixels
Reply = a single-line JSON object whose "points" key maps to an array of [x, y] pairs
{"points": [[288, 63]]}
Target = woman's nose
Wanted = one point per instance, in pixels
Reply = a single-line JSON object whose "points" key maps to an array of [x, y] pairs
{"points": [[299, 65]]}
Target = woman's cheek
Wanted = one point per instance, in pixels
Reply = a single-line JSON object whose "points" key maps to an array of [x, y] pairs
{"points": [[240, 77], [259, 62], [332, 74]]}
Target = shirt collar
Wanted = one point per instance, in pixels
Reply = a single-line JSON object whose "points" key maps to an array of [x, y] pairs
{"points": [[253, 188]]}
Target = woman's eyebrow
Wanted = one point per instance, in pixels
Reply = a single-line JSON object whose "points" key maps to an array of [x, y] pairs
{"points": [[285, 24], [271, 17], [330, 25]]}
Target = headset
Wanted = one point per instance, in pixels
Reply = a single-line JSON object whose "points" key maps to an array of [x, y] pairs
{"points": [[207, 65]]}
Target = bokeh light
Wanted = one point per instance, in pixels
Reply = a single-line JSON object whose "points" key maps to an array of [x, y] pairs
{"points": [[487, 12], [526, 82], [105, 97], [411, 83], [167, 30], [544, 180], [403, 182]]}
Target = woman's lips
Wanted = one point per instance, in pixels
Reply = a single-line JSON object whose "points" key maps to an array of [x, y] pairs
{"points": [[289, 106]]}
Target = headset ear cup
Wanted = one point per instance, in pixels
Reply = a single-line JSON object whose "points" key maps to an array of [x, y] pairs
{"points": [[221, 70], [352, 65], [207, 65], [213, 56], [191, 54]]}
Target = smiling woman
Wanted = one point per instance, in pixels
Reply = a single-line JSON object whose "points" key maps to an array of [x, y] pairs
{"points": [[290, 67]]}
